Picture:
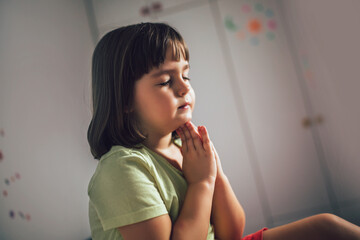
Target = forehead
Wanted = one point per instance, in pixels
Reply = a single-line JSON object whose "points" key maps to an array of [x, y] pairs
{"points": [[173, 62], [169, 67]]}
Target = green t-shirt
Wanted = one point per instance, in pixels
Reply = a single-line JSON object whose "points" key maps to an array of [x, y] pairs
{"points": [[132, 185]]}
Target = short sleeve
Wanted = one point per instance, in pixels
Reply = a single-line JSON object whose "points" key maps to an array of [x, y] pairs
{"points": [[124, 191]]}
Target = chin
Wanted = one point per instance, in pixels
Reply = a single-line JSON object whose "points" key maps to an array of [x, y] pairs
{"points": [[181, 120], [188, 117], [185, 120]]}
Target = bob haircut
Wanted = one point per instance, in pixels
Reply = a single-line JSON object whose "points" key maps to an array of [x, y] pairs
{"points": [[121, 58]]}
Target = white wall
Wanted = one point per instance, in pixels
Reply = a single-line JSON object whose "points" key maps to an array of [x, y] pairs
{"points": [[326, 38], [45, 55]]}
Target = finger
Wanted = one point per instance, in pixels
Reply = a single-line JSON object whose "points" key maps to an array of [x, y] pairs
{"points": [[180, 132], [198, 130], [213, 149], [195, 128], [195, 135], [188, 137], [206, 140]]}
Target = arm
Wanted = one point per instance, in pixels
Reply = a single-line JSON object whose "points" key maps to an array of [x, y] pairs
{"points": [[194, 219], [199, 169], [227, 215], [152, 229], [192, 223]]}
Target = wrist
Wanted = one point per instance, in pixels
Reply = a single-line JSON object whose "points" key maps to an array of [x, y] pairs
{"points": [[208, 184], [221, 178]]}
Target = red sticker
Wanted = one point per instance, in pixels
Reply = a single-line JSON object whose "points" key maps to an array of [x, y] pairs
{"points": [[156, 6], [17, 175]]}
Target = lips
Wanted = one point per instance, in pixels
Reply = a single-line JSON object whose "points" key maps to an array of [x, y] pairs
{"points": [[184, 106]]}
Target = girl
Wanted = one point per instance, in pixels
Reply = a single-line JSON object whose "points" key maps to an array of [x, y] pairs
{"points": [[159, 176]]}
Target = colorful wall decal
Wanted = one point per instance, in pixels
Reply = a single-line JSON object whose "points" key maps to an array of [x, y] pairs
{"points": [[150, 9], [12, 214], [17, 175], [145, 11], [254, 41], [259, 7], [12, 178], [156, 6], [229, 23], [246, 8], [7, 181], [254, 26], [21, 214], [257, 23]]}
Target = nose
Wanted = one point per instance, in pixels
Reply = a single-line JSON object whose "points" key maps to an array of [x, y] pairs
{"points": [[183, 87]]}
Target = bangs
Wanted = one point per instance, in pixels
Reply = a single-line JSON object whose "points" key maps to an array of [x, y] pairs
{"points": [[150, 46], [179, 50]]}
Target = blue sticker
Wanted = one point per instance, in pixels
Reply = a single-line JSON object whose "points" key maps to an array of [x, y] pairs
{"points": [[254, 41], [269, 13], [21, 215]]}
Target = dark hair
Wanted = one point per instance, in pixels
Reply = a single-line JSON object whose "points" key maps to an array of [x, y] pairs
{"points": [[120, 58]]}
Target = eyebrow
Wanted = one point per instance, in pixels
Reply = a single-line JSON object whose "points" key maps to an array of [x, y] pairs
{"points": [[161, 72]]}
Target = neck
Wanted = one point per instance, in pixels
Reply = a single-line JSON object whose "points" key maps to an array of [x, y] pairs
{"points": [[158, 142]]}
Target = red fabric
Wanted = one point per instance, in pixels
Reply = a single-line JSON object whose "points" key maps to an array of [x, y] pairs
{"points": [[255, 236]]}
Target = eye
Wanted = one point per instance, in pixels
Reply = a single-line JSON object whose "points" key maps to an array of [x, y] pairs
{"points": [[186, 78], [168, 82]]}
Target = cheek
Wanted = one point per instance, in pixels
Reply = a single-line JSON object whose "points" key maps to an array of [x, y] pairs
{"points": [[155, 105]]}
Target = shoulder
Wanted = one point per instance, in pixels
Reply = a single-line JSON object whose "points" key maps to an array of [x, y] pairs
{"points": [[120, 164], [119, 155], [121, 151]]}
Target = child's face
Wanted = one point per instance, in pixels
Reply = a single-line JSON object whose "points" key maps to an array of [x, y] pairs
{"points": [[164, 98]]}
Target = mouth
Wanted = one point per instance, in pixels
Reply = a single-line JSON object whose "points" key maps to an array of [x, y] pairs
{"points": [[185, 106]]}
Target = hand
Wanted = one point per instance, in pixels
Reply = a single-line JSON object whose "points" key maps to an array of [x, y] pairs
{"points": [[199, 163], [220, 173]]}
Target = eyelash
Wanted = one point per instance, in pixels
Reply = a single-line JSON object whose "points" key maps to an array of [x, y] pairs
{"points": [[170, 80]]}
